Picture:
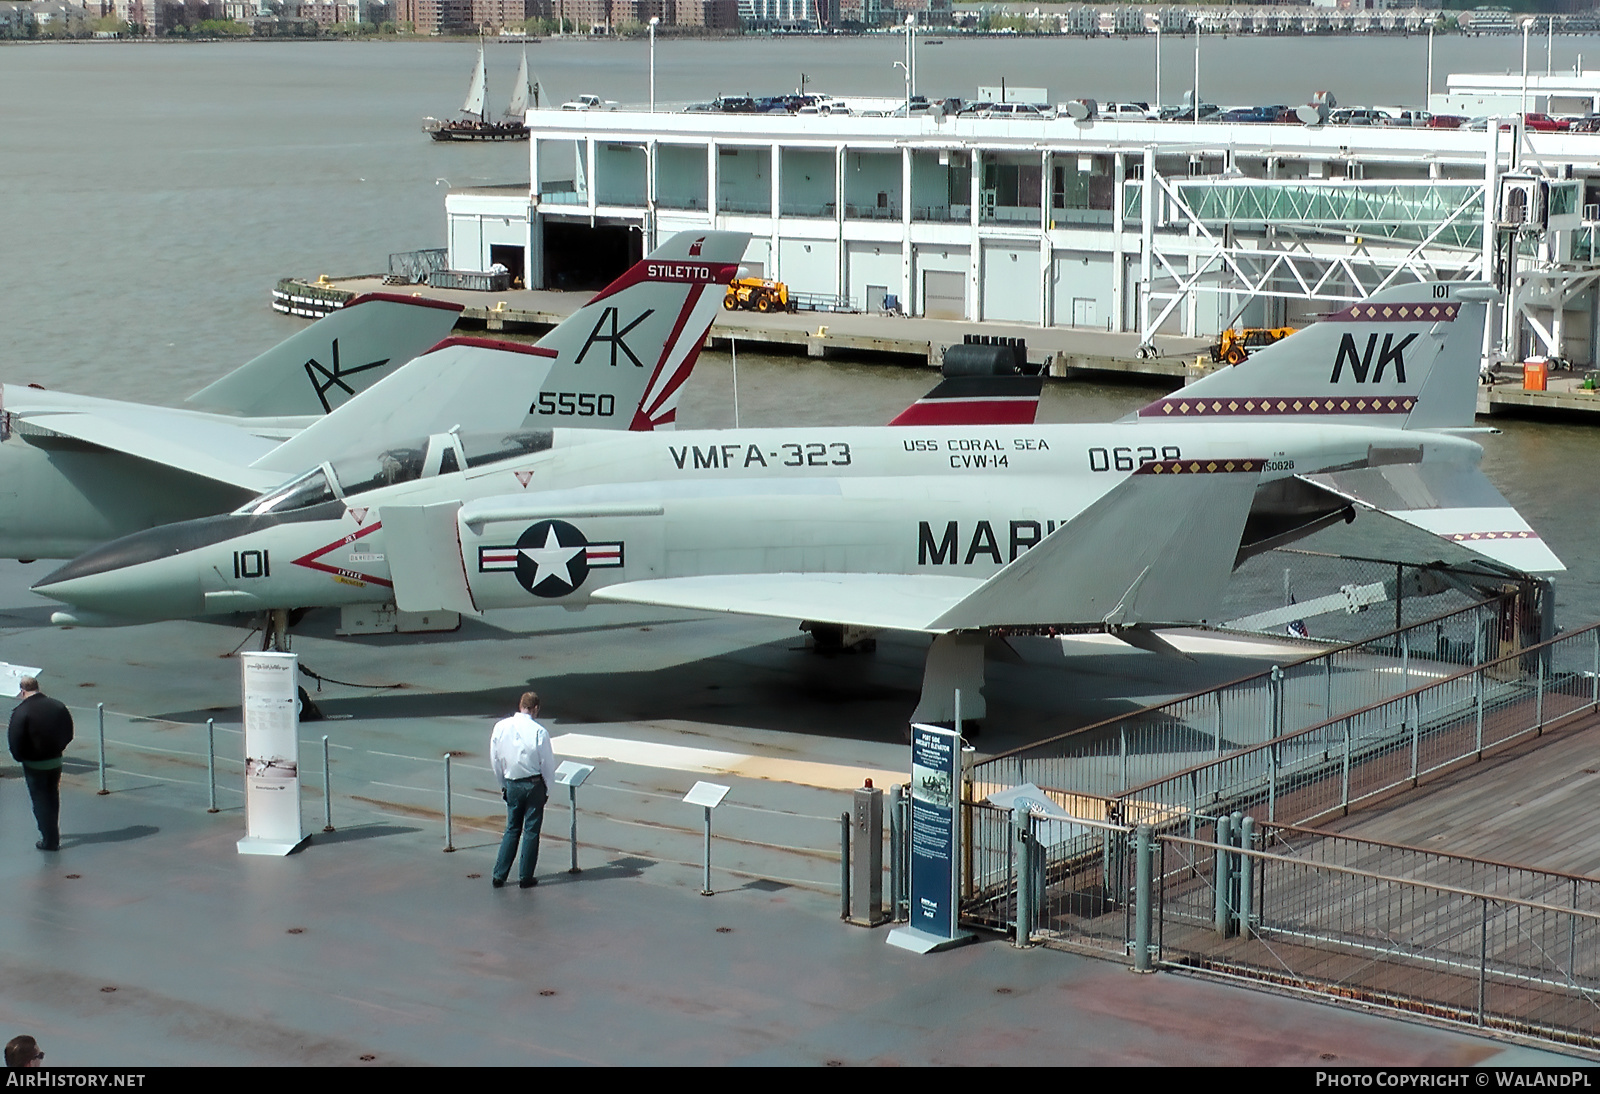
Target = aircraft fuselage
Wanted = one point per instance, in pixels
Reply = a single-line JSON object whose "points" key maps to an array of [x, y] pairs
{"points": [[596, 509]]}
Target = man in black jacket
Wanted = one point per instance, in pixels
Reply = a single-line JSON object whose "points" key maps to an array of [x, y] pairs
{"points": [[40, 730]]}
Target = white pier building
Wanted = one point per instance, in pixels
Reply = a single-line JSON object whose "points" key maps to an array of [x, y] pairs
{"points": [[1130, 226]]}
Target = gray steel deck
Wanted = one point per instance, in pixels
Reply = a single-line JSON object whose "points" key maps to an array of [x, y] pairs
{"points": [[400, 953]]}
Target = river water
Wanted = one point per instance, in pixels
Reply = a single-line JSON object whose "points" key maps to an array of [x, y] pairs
{"points": [[154, 193]]}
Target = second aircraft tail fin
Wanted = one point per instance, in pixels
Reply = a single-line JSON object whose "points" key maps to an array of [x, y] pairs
{"points": [[1406, 357], [331, 361]]}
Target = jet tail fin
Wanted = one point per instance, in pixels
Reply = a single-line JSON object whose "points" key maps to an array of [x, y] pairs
{"points": [[343, 353], [1157, 549], [1406, 357], [619, 362], [639, 338]]}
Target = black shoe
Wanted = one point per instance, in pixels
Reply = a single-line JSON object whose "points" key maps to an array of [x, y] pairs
{"points": [[497, 883], [530, 883], [43, 846]]}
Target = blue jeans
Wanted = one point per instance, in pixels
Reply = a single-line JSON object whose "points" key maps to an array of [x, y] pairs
{"points": [[44, 789], [525, 800]]}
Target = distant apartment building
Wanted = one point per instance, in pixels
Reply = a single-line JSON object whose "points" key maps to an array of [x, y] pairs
{"points": [[602, 16], [711, 14]]}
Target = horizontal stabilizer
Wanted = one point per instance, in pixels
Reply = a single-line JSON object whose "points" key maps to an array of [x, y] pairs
{"points": [[1456, 503], [204, 447], [327, 363], [1156, 549]]}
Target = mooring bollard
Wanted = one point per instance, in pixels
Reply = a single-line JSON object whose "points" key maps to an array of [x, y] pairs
{"points": [[327, 789], [211, 764], [448, 844], [100, 710]]}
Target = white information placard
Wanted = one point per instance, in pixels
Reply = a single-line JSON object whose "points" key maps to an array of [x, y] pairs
{"points": [[272, 754]]}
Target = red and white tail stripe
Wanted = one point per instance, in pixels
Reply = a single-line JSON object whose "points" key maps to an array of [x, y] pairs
{"points": [[977, 400]]}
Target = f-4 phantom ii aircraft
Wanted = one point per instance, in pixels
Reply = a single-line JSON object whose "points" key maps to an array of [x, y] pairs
{"points": [[954, 531], [79, 471]]}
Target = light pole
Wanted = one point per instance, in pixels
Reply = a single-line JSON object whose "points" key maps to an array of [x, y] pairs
{"points": [[1527, 25], [1197, 70], [911, 60], [1427, 96], [654, 19], [1158, 68], [1549, 47]]}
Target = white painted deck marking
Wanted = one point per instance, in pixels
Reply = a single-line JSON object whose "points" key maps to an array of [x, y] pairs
{"points": [[683, 758]]}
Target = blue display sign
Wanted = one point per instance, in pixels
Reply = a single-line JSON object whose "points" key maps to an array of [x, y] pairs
{"points": [[935, 771]]}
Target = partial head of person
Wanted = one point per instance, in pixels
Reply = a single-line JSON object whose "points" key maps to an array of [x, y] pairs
{"points": [[529, 703], [24, 1051], [27, 686]]}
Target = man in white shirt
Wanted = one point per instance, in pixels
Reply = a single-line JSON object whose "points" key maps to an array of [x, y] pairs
{"points": [[521, 757]]}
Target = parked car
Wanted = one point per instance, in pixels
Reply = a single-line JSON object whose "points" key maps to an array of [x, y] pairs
{"points": [[1544, 123], [1589, 123], [1360, 116], [1016, 110], [1125, 112], [1186, 112], [1251, 114], [589, 102]]}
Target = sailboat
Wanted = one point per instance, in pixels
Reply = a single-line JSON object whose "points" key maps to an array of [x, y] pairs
{"points": [[474, 123]]}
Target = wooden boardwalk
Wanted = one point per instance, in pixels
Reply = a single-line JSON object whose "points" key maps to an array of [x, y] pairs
{"points": [[1536, 803]]}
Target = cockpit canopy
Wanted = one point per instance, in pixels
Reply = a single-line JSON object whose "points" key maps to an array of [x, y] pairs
{"points": [[440, 454]]}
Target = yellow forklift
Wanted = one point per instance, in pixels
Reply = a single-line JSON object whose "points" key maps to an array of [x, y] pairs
{"points": [[758, 294], [1235, 343]]}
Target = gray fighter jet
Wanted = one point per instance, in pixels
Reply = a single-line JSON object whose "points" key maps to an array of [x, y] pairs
{"points": [[950, 530]]}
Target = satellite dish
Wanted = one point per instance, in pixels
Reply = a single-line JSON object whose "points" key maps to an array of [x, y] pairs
{"points": [[1081, 109], [1324, 98], [1309, 115]]}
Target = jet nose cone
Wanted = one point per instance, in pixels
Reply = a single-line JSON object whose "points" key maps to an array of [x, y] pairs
{"points": [[148, 575]]}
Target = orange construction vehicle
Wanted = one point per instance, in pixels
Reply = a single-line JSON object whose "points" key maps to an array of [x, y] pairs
{"points": [[758, 294], [1235, 344]]}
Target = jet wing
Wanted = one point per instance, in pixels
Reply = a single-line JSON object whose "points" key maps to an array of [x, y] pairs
{"points": [[1457, 504], [1157, 548], [904, 602], [208, 448]]}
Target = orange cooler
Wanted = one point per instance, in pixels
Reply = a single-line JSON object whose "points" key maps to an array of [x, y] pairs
{"points": [[1535, 375]]}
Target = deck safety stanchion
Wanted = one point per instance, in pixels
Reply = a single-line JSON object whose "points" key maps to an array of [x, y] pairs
{"points": [[1021, 846], [449, 845], [896, 837], [211, 764], [844, 865], [327, 789], [1220, 877], [1143, 905], [1247, 842], [100, 711]]}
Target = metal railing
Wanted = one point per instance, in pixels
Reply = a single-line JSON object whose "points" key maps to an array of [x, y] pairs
{"points": [[1108, 757], [1326, 768], [1464, 940], [415, 266], [1450, 952]]}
